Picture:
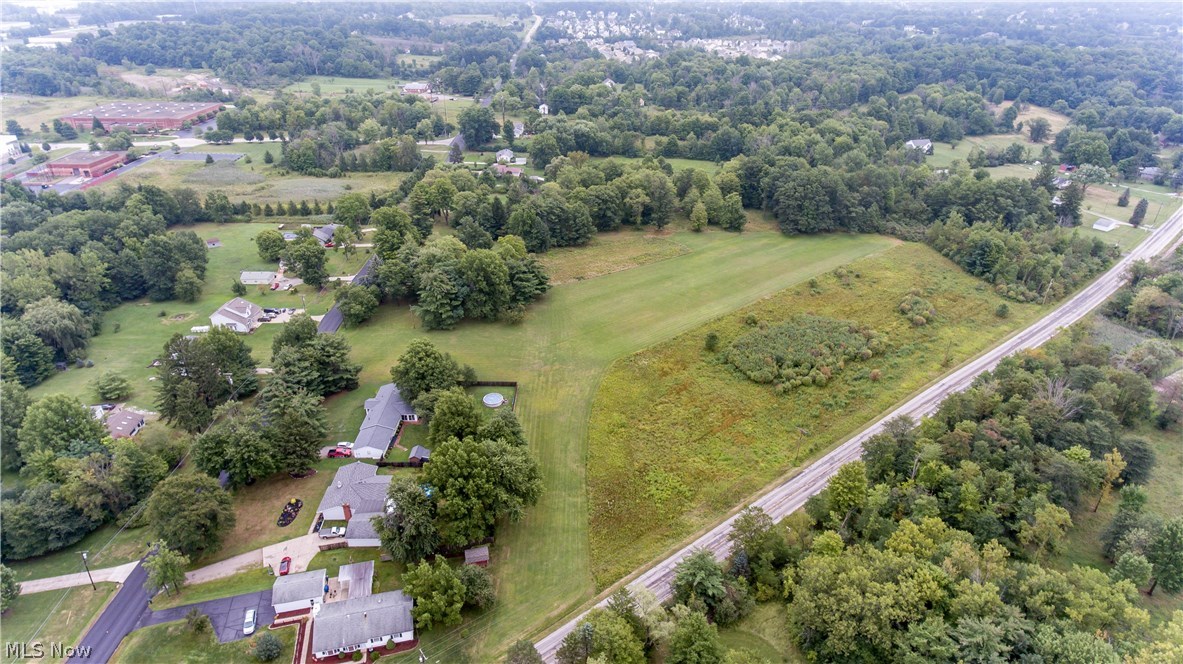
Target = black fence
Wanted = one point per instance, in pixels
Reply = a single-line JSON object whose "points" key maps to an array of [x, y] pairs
{"points": [[498, 383]]}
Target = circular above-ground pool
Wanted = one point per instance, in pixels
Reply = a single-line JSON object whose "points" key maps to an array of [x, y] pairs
{"points": [[493, 400]]}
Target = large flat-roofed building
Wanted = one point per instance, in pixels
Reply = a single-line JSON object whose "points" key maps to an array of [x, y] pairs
{"points": [[83, 163], [144, 114]]}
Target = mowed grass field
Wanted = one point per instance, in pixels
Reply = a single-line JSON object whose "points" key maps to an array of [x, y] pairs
{"points": [[173, 642], [678, 437], [56, 616], [608, 253], [558, 355]]}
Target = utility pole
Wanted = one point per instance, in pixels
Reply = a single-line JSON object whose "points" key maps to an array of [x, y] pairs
{"points": [[87, 566]]}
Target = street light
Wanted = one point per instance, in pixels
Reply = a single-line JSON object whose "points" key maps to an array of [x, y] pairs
{"points": [[84, 564]]}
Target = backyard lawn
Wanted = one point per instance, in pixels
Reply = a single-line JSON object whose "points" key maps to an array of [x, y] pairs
{"points": [[174, 643], [388, 575], [56, 616]]}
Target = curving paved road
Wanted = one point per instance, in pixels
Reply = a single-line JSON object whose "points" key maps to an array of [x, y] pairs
{"points": [[792, 494]]}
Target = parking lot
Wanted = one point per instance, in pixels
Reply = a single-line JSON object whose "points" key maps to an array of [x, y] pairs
{"points": [[225, 614]]}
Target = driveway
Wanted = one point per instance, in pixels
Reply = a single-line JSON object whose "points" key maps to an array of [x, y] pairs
{"points": [[300, 549], [225, 614]]}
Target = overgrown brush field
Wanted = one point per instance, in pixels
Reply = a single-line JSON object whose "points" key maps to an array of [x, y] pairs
{"points": [[678, 436]]}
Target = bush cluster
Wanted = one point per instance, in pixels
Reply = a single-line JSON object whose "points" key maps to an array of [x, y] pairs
{"points": [[917, 309], [804, 350]]}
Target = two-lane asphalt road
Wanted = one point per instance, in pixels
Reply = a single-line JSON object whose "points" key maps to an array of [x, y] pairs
{"points": [[792, 494]]}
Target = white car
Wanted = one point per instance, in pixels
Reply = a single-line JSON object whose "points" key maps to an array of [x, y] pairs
{"points": [[248, 625], [345, 445]]}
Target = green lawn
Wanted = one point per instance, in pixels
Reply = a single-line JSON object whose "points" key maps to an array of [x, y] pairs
{"points": [[678, 437], [246, 582], [943, 155], [1124, 237], [608, 253], [108, 547], [173, 642], [1102, 200], [30, 111], [557, 355], [388, 575], [56, 616], [478, 393], [143, 331], [765, 633], [337, 85]]}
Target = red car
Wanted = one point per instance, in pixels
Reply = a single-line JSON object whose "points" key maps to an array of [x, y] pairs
{"points": [[285, 565], [337, 453]]}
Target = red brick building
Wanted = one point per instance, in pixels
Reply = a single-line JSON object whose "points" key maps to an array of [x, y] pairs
{"points": [[144, 114], [84, 164]]}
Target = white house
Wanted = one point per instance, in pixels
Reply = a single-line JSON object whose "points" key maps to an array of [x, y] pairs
{"points": [[416, 89], [253, 278], [922, 144], [238, 315], [362, 623], [297, 592], [609, 82], [505, 156], [10, 146], [543, 109], [384, 414]]}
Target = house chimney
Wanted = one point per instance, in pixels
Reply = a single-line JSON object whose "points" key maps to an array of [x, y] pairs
{"points": [[348, 511]]}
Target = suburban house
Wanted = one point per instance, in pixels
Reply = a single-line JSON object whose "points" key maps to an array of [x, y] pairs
{"points": [[543, 109], [505, 156], [250, 278], [385, 413], [357, 494], [324, 234], [238, 315], [1104, 224], [362, 623], [419, 454], [298, 592], [477, 555], [1150, 173], [519, 129], [124, 424], [502, 169], [922, 144], [416, 89]]}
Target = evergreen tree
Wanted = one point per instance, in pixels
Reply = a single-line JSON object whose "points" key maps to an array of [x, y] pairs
{"points": [[1124, 199], [1139, 214]]}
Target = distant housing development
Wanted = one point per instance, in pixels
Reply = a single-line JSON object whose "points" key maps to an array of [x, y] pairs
{"points": [[143, 114]]}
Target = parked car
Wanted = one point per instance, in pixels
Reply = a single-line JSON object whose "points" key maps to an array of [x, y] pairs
{"points": [[248, 624], [340, 453], [285, 565], [345, 445], [330, 533]]}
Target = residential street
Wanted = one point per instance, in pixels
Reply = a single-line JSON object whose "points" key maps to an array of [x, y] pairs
{"points": [[121, 616], [788, 497]]}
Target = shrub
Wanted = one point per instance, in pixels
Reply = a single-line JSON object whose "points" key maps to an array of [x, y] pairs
{"points": [[918, 309], [267, 647], [805, 350], [712, 341], [356, 656], [751, 320], [197, 622], [111, 386], [1002, 311]]}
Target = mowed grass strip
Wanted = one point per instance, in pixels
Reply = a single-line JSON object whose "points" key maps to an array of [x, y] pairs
{"points": [[56, 616], [608, 253], [678, 437], [173, 642]]}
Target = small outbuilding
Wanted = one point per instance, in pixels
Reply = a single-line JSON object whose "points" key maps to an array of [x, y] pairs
{"points": [[419, 454], [213, 243], [477, 555], [1104, 224], [252, 278]]}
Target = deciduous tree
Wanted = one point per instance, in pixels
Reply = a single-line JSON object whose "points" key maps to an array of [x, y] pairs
{"points": [[191, 512]]}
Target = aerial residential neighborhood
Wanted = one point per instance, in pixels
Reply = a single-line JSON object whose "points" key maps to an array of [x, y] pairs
{"points": [[551, 333]]}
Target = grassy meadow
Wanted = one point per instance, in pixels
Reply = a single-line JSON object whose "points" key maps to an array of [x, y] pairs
{"points": [[173, 642], [677, 437], [55, 616], [608, 253]]}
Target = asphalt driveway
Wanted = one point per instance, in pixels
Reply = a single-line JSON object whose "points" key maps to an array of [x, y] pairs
{"points": [[225, 614]]}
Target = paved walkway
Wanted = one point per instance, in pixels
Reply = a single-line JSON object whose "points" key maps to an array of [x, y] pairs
{"points": [[107, 574]]}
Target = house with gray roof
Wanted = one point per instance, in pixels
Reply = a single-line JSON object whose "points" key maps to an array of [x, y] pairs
{"points": [[922, 144], [505, 156], [384, 414], [324, 234], [238, 315], [296, 592], [360, 531], [362, 623], [124, 424], [357, 489]]}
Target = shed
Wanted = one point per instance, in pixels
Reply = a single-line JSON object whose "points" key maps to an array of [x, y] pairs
{"points": [[477, 555], [420, 454], [922, 144], [1104, 224], [213, 243], [295, 592], [543, 109]]}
